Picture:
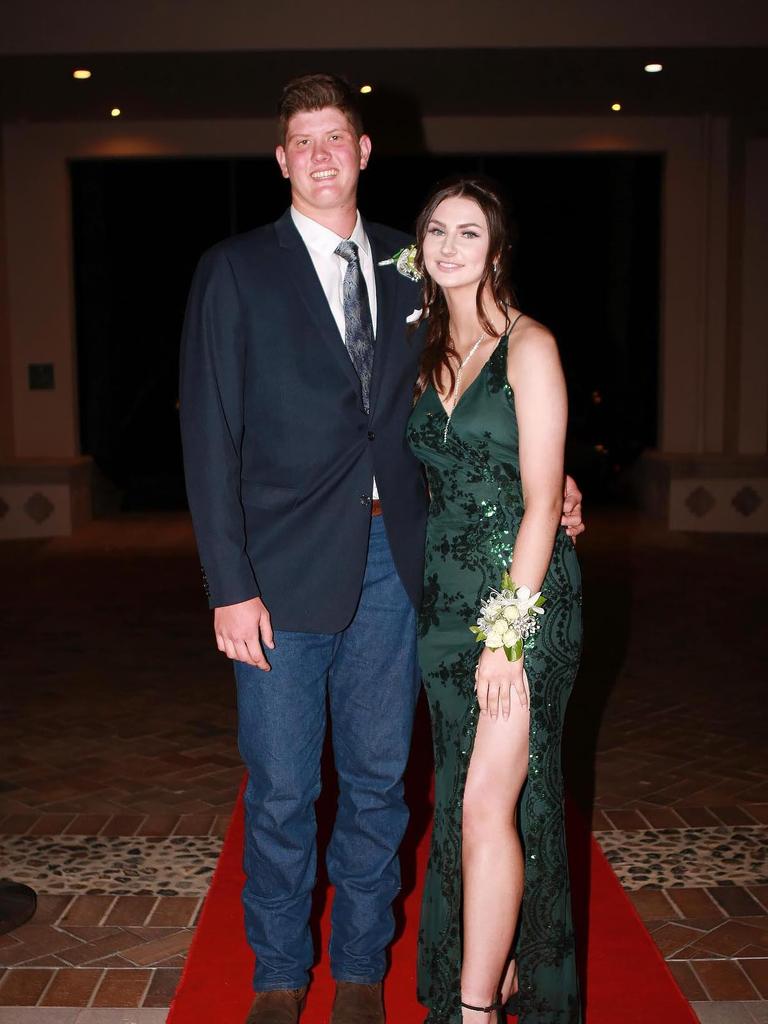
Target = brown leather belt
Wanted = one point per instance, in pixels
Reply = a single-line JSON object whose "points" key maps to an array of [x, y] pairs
{"points": [[375, 507]]}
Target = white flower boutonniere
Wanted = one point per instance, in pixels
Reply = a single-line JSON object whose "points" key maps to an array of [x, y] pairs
{"points": [[405, 261]]}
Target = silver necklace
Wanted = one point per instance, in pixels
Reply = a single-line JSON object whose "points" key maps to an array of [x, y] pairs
{"points": [[457, 384]]}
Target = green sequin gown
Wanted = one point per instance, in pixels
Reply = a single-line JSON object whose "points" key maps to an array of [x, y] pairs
{"points": [[476, 506]]}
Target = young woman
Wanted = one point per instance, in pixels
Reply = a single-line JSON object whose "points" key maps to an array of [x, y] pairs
{"points": [[489, 425]]}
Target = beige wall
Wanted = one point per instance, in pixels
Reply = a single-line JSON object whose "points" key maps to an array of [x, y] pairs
{"points": [[40, 301], [82, 26]]}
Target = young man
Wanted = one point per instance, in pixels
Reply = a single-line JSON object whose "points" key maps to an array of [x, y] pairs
{"points": [[309, 513]]}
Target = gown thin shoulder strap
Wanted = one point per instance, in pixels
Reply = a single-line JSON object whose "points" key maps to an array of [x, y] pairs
{"points": [[514, 322]]}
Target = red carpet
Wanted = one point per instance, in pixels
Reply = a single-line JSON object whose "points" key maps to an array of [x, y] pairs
{"points": [[627, 981]]}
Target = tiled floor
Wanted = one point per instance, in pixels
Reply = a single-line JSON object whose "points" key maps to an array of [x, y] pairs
{"points": [[120, 764]]}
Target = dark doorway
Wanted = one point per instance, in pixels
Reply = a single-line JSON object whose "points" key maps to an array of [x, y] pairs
{"points": [[587, 266]]}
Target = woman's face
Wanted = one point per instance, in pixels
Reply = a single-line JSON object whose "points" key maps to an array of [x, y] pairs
{"points": [[455, 246]]}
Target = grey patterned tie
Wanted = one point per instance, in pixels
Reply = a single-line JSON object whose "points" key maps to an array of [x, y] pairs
{"points": [[358, 327]]}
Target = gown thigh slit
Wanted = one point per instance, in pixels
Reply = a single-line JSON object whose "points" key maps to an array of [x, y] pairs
{"points": [[476, 505]]}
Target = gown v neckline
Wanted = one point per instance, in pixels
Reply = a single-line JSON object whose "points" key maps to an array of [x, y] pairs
{"points": [[469, 387]]}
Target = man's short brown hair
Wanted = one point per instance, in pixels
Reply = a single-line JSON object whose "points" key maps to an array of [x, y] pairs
{"points": [[315, 92]]}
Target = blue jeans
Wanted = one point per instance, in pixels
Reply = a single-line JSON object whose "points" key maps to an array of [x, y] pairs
{"points": [[368, 675]]}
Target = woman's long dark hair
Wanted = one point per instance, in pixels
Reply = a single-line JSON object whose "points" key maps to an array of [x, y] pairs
{"points": [[439, 346]]}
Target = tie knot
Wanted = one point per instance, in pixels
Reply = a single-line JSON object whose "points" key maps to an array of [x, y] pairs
{"points": [[348, 251]]}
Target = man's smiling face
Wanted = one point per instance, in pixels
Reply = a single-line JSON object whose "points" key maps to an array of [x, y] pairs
{"points": [[322, 158]]}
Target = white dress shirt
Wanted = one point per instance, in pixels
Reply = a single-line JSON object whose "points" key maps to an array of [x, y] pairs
{"points": [[321, 243], [330, 268]]}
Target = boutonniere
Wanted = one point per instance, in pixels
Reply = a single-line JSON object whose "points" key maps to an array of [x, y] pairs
{"points": [[405, 261]]}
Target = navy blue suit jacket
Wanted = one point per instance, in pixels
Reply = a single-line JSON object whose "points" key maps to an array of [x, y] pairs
{"points": [[279, 454]]}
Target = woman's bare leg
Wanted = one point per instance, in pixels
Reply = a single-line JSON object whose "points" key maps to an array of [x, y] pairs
{"points": [[492, 858]]}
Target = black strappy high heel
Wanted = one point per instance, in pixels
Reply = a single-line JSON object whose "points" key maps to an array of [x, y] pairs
{"points": [[484, 1009]]}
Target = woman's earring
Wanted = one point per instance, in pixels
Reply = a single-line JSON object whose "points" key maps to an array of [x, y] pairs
{"points": [[495, 267]]}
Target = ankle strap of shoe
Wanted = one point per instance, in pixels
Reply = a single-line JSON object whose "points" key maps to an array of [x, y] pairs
{"points": [[482, 1009]]}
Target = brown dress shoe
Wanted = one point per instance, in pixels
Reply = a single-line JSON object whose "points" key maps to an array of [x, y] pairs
{"points": [[280, 1006], [357, 1004]]}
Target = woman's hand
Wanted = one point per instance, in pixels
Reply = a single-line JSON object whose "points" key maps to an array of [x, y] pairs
{"points": [[495, 679], [572, 513]]}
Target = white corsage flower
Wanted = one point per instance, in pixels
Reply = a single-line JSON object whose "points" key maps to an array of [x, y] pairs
{"points": [[405, 261], [508, 618], [527, 602], [494, 640]]}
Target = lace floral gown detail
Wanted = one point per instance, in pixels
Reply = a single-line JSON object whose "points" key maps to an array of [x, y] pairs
{"points": [[475, 511]]}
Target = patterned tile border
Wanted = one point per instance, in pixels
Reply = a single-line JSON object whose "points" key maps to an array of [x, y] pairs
{"points": [[670, 857], [96, 865]]}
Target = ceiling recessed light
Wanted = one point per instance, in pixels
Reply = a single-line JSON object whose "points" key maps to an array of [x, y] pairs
{"points": [[115, 111], [653, 69], [616, 107], [365, 89], [81, 73]]}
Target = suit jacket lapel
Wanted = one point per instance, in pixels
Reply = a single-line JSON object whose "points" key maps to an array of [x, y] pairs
{"points": [[301, 272], [386, 330]]}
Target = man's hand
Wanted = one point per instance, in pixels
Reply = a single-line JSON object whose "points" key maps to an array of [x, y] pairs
{"points": [[241, 629], [572, 509]]}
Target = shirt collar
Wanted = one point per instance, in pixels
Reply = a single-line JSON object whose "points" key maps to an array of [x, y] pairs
{"points": [[322, 240]]}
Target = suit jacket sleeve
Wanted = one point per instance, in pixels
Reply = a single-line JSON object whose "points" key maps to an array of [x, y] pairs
{"points": [[211, 411]]}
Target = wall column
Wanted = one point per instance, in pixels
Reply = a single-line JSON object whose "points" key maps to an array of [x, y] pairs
{"points": [[711, 472]]}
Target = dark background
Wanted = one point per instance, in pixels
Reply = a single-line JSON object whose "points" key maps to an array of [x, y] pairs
{"points": [[587, 266]]}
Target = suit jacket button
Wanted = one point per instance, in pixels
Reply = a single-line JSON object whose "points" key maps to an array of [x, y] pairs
{"points": [[371, 435]]}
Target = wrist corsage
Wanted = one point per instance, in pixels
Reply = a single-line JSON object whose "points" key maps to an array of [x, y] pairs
{"points": [[509, 618], [405, 261]]}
